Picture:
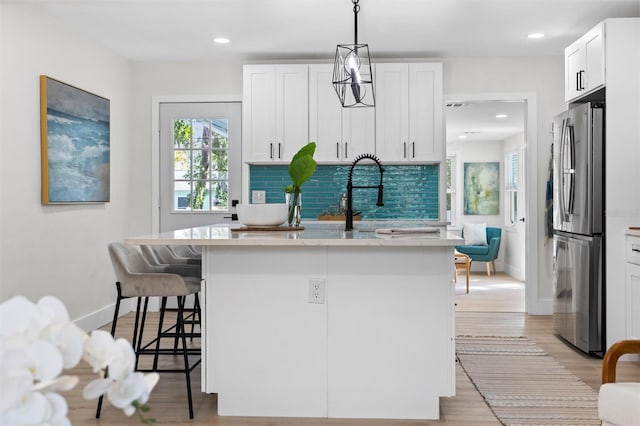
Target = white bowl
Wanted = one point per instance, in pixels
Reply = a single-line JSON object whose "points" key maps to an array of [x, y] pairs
{"points": [[262, 214]]}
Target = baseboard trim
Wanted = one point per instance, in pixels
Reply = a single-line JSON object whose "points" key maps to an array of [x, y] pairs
{"points": [[104, 315]]}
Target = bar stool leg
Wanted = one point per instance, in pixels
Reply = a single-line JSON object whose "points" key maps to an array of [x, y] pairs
{"points": [[187, 372], [163, 305], [113, 333]]}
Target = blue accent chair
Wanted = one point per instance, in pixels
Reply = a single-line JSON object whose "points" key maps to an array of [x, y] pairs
{"points": [[486, 252]]}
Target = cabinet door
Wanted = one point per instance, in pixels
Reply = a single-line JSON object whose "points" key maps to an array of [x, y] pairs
{"points": [[392, 119], [425, 112], [594, 58], [584, 64], [574, 68], [292, 110], [325, 114], [358, 132], [258, 112]]}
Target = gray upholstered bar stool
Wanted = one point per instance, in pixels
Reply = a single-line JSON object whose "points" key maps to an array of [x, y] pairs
{"points": [[161, 255], [136, 278], [193, 254]]}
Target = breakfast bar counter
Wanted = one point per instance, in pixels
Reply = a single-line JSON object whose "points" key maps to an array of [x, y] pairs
{"points": [[326, 323]]}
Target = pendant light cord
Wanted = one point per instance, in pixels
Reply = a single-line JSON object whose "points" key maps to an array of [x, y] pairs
{"points": [[356, 9]]}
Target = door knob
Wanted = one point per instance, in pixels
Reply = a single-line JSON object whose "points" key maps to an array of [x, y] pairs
{"points": [[521, 219]]}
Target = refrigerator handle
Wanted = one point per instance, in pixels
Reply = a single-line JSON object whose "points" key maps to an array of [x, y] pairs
{"points": [[572, 169], [561, 171]]}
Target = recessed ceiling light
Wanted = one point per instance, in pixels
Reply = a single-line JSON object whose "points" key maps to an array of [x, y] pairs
{"points": [[462, 136], [501, 115], [221, 40], [535, 35]]}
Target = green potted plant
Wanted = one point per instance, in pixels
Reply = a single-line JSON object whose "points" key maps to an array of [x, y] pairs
{"points": [[301, 168]]}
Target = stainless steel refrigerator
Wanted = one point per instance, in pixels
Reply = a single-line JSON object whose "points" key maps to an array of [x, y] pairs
{"points": [[578, 227]]}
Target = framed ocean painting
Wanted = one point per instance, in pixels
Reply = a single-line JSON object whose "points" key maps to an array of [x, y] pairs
{"points": [[74, 130], [481, 188]]}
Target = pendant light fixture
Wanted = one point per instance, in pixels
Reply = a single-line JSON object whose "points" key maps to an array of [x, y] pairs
{"points": [[352, 76]]}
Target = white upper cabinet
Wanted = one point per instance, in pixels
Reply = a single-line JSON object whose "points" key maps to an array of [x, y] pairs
{"points": [[584, 64], [274, 111], [340, 133], [409, 112]]}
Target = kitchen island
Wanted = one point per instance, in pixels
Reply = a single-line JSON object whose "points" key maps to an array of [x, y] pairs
{"points": [[323, 322]]}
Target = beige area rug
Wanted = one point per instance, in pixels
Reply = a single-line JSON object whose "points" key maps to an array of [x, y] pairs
{"points": [[523, 385], [497, 293]]}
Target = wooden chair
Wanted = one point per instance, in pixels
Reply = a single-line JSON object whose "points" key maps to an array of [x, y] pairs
{"points": [[618, 402], [461, 261]]}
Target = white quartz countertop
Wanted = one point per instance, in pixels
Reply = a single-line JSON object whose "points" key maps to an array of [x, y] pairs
{"points": [[314, 234]]}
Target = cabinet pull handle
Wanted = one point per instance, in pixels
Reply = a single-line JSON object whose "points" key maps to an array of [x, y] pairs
{"points": [[578, 81], [271, 150], [346, 150], [580, 74], [337, 149], [404, 148], [413, 150], [279, 150], [636, 250]]}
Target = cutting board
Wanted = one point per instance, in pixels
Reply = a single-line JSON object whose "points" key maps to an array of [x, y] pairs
{"points": [[268, 229], [336, 217]]}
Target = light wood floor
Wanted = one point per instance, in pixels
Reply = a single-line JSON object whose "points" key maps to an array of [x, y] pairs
{"points": [[475, 317]]}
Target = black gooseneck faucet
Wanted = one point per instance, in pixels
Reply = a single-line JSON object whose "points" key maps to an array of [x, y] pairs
{"points": [[349, 213]]}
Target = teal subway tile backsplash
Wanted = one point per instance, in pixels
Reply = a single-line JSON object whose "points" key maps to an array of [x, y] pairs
{"points": [[410, 192]]}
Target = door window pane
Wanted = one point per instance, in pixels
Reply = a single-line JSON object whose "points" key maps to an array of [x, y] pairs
{"points": [[201, 164]]}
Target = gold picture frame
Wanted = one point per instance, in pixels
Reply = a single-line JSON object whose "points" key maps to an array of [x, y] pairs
{"points": [[75, 144]]}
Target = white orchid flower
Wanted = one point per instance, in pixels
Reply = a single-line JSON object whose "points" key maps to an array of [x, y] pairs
{"points": [[45, 360], [38, 341], [58, 410], [32, 409], [16, 386], [17, 314], [100, 350], [122, 393], [96, 388], [53, 309], [124, 364], [69, 339], [60, 383]]}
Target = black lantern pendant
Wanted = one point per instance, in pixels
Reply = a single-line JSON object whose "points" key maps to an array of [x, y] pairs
{"points": [[352, 76]]}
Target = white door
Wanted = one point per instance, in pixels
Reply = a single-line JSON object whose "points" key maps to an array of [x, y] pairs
{"points": [[200, 157]]}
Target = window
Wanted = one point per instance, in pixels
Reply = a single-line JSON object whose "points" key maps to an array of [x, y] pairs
{"points": [[200, 164], [511, 188], [451, 188]]}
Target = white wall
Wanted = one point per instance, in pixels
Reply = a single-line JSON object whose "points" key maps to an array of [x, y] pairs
{"points": [[56, 250]]}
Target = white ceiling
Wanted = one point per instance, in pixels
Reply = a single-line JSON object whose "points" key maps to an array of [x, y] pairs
{"points": [[477, 121], [275, 30], [182, 30]]}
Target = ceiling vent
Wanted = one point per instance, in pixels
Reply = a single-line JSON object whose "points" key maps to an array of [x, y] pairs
{"points": [[455, 105]]}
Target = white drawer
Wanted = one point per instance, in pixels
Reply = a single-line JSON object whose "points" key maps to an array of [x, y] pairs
{"points": [[633, 249]]}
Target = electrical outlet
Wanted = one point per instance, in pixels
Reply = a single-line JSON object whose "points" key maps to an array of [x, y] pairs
{"points": [[316, 290], [258, 197]]}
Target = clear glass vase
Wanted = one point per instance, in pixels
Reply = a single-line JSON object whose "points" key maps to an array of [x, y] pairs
{"points": [[294, 201]]}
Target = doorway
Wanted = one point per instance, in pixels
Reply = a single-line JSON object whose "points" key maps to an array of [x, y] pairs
{"points": [[199, 163], [490, 128]]}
